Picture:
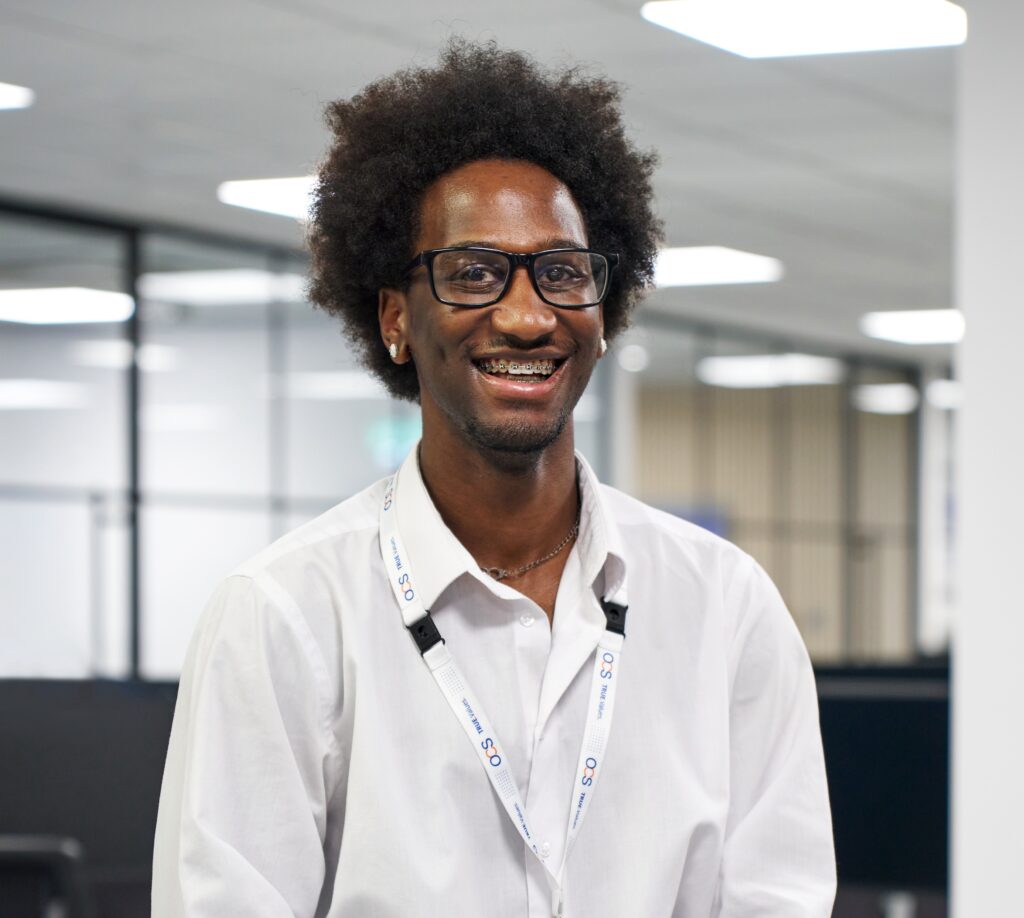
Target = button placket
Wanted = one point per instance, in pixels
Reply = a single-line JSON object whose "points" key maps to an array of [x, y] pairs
{"points": [[533, 646]]}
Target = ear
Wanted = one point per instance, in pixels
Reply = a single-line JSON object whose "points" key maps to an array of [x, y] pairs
{"points": [[392, 314], [600, 318]]}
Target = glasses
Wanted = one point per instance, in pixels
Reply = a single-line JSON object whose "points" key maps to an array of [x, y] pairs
{"points": [[474, 276]]}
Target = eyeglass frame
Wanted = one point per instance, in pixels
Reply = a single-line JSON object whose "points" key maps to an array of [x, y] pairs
{"points": [[527, 259]]}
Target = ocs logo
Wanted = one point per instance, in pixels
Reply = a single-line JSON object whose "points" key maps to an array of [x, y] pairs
{"points": [[407, 591], [589, 770], [607, 665], [491, 751], [389, 495]]}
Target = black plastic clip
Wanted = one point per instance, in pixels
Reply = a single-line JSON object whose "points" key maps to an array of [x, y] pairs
{"points": [[424, 632], [615, 616]]}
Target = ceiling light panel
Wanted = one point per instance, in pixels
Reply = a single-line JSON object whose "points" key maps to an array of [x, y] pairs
{"points": [[707, 265], [116, 354], [945, 394], [229, 287], [915, 326], [287, 197], [792, 28], [64, 306], [41, 394], [12, 97], [633, 358], [769, 371], [885, 398]]}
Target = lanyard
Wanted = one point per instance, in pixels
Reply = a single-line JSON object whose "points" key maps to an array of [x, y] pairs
{"points": [[472, 717]]}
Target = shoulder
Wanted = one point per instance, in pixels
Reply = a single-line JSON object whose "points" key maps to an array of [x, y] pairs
{"points": [[304, 576], [352, 521], [643, 529], [285, 602], [700, 575]]}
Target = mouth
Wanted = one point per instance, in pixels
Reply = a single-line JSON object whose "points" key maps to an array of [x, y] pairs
{"points": [[520, 371]]}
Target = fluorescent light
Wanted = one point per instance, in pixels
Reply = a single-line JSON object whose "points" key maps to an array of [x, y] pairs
{"points": [[633, 358], [915, 326], [288, 197], [231, 287], [33, 394], [713, 264], [12, 96], [768, 371], [64, 306], [885, 398], [116, 354], [945, 394], [789, 28], [341, 385]]}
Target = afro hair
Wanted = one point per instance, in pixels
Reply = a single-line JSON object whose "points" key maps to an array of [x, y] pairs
{"points": [[404, 131]]}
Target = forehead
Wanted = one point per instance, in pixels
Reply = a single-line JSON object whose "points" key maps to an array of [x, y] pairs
{"points": [[507, 204]]}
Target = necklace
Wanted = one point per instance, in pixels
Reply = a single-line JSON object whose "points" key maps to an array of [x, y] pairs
{"points": [[501, 573]]}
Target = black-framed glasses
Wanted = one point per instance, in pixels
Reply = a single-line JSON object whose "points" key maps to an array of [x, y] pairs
{"points": [[475, 276]]}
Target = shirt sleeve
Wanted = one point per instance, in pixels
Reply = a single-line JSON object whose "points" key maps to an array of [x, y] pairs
{"points": [[242, 816], [778, 857]]}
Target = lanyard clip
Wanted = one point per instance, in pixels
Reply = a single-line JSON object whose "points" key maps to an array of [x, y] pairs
{"points": [[424, 632], [615, 616]]}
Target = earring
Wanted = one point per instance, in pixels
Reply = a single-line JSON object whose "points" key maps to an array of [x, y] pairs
{"points": [[393, 350], [602, 347]]}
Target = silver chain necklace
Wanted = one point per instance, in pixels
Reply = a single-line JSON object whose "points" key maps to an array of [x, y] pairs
{"points": [[500, 573]]}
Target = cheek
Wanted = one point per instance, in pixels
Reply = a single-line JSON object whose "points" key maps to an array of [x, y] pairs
{"points": [[588, 327], [437, 335]]}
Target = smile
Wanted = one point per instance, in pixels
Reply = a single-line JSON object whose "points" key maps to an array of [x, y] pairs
{"points": [[522, 370]]}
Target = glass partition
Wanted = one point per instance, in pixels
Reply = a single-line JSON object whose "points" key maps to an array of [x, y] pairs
{"points": [[253, 415], [64, 358], [204, 429], [885, 405], [343, 430], [806, 461]]}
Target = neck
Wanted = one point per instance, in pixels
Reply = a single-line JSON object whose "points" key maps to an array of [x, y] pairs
{"points": [[507, 509]]}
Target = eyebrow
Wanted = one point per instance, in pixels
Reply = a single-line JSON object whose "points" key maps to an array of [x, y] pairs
{"points": [[545, 244]]}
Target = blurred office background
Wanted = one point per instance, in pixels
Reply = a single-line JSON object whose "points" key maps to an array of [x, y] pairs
{"points": [[181, 405]]}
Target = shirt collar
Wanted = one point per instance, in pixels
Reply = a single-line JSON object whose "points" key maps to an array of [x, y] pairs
{"points": [[599, 542], [439, 558]]}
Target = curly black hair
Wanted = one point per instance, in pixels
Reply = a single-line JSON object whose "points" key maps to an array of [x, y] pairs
{"points": [[403, 132]]}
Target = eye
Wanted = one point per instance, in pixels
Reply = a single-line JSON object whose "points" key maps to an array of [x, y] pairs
{"points": [[470, 271], [562, 274], [476, 275]]}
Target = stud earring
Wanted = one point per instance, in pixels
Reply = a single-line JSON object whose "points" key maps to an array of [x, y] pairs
{"points": [[393, 350], [602, 347]]}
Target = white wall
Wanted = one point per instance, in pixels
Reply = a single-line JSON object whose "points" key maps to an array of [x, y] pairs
{"points": [[988, 672]]}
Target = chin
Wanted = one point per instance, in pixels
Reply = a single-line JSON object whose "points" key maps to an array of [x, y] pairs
{"points": [[518, 436]]}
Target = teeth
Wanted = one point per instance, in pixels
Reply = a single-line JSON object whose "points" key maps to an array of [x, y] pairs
{"points": [[519, 368]]}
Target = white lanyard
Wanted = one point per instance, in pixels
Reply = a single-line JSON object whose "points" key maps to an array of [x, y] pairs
{"points": [[470, 713]]}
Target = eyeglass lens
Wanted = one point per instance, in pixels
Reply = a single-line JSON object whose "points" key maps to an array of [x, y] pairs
{"points": [[474, 278]]}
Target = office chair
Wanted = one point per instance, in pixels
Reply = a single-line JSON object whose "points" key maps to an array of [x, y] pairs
{"points": [[42, 877]]}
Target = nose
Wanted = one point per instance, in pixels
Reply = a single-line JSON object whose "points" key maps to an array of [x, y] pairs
{"points": [[521, 314]]}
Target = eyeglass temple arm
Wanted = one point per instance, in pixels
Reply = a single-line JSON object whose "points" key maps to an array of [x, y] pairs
{"points": [[421, 259]]}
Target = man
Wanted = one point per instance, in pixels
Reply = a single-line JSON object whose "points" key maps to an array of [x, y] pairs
{"points": [[491, 685]]}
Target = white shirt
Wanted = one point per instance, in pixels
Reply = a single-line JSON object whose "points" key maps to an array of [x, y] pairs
{"points": [[315, 769]]}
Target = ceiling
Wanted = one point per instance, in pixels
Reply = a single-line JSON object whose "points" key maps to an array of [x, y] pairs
{"points": [[841, 166]]}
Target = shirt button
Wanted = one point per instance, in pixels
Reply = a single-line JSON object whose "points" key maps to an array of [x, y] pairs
{"points": [[526, 620], [545, 850]]}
